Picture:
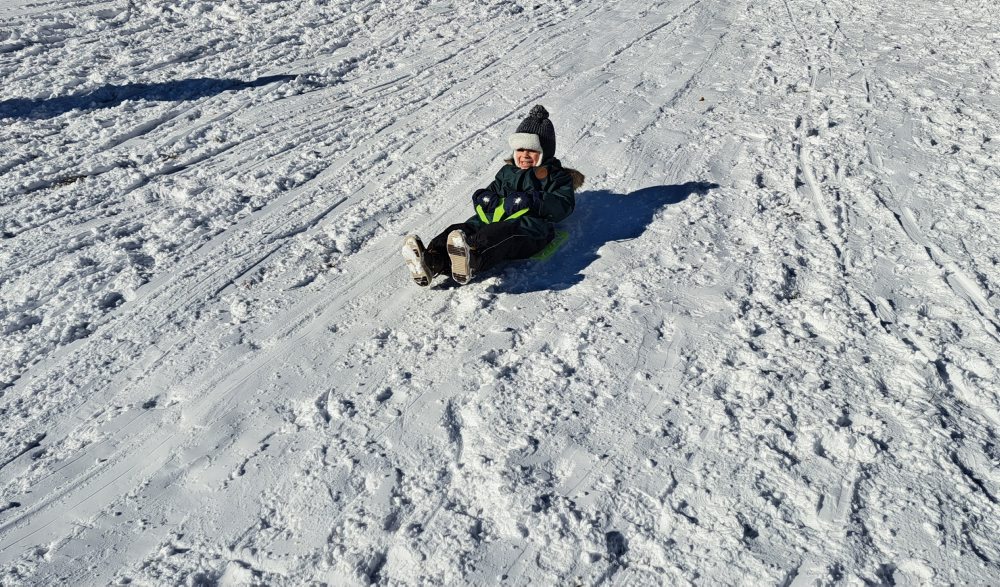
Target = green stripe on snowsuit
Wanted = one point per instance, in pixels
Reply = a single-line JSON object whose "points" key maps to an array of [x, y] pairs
{"points": [[498, 213], [558, 197]]}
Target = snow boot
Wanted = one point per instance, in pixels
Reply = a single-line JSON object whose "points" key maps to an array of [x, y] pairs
{"points": [[413, 253], [461, 257]]}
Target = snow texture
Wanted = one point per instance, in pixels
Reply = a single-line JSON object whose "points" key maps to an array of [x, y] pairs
{"points": [[767, 355]]}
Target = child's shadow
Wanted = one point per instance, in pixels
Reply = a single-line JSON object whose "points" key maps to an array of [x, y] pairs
{"points": [[600, 217]]}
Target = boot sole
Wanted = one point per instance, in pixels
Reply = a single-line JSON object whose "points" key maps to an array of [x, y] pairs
{"points": [[414, 257], [458, 252]]}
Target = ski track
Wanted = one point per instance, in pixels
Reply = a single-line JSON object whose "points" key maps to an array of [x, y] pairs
{"points": [[214, 369]]}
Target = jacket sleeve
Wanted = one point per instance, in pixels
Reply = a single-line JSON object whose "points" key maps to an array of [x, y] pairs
{"points": [[558, 197]]}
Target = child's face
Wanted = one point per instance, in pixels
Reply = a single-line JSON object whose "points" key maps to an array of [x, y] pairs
{"points": [[526, 158]]}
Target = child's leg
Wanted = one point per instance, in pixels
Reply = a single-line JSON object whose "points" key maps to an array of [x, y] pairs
{"points": [[503, 241], [437, 250]]}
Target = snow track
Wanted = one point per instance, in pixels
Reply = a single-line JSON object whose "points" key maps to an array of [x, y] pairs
{"points": [[766, 355]]}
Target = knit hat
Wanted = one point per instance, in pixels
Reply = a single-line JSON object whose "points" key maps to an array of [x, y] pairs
{"points": [[536, 133]]}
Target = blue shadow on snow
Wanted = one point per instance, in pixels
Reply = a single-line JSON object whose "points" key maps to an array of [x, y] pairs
{"points": [[111, 96], [600, 217]]}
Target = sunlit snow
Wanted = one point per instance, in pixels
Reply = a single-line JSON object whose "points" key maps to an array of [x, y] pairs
{"points": [[767, 355]]}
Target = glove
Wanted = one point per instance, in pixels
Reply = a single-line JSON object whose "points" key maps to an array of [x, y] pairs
{"points": [[528, 201], [485, 199]]}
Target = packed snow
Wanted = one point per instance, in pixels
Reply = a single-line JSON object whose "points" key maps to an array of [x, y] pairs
{"points": [[768, 353]]}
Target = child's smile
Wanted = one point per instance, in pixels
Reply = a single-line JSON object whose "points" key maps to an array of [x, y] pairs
{"points": [[526, 158]]}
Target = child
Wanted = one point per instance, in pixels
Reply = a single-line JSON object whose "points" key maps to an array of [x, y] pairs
{"points": [[515, 215]]}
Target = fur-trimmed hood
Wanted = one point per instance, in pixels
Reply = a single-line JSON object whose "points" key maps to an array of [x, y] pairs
{"points": [[578, 177]]}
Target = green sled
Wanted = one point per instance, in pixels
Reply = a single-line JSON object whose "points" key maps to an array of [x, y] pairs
{"points": [[561, 237]]}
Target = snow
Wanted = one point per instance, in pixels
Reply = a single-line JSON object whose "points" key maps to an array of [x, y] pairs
{"points": [[767, 355]]}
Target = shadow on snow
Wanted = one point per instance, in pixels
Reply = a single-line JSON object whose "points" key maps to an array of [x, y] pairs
{"points": [[600, 217], [111, 96]]}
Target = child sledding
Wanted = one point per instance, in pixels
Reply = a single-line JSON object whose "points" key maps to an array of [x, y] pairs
{"points": [[515, 215]]}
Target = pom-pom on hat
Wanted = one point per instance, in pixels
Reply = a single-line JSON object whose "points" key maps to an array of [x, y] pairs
{"points": [[536, 133]]}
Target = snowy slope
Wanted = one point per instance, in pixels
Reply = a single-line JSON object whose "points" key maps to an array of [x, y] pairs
{"points": [[768, 355]]}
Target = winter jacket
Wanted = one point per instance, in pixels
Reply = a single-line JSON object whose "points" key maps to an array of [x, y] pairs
{"points": [[551, 185]]}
